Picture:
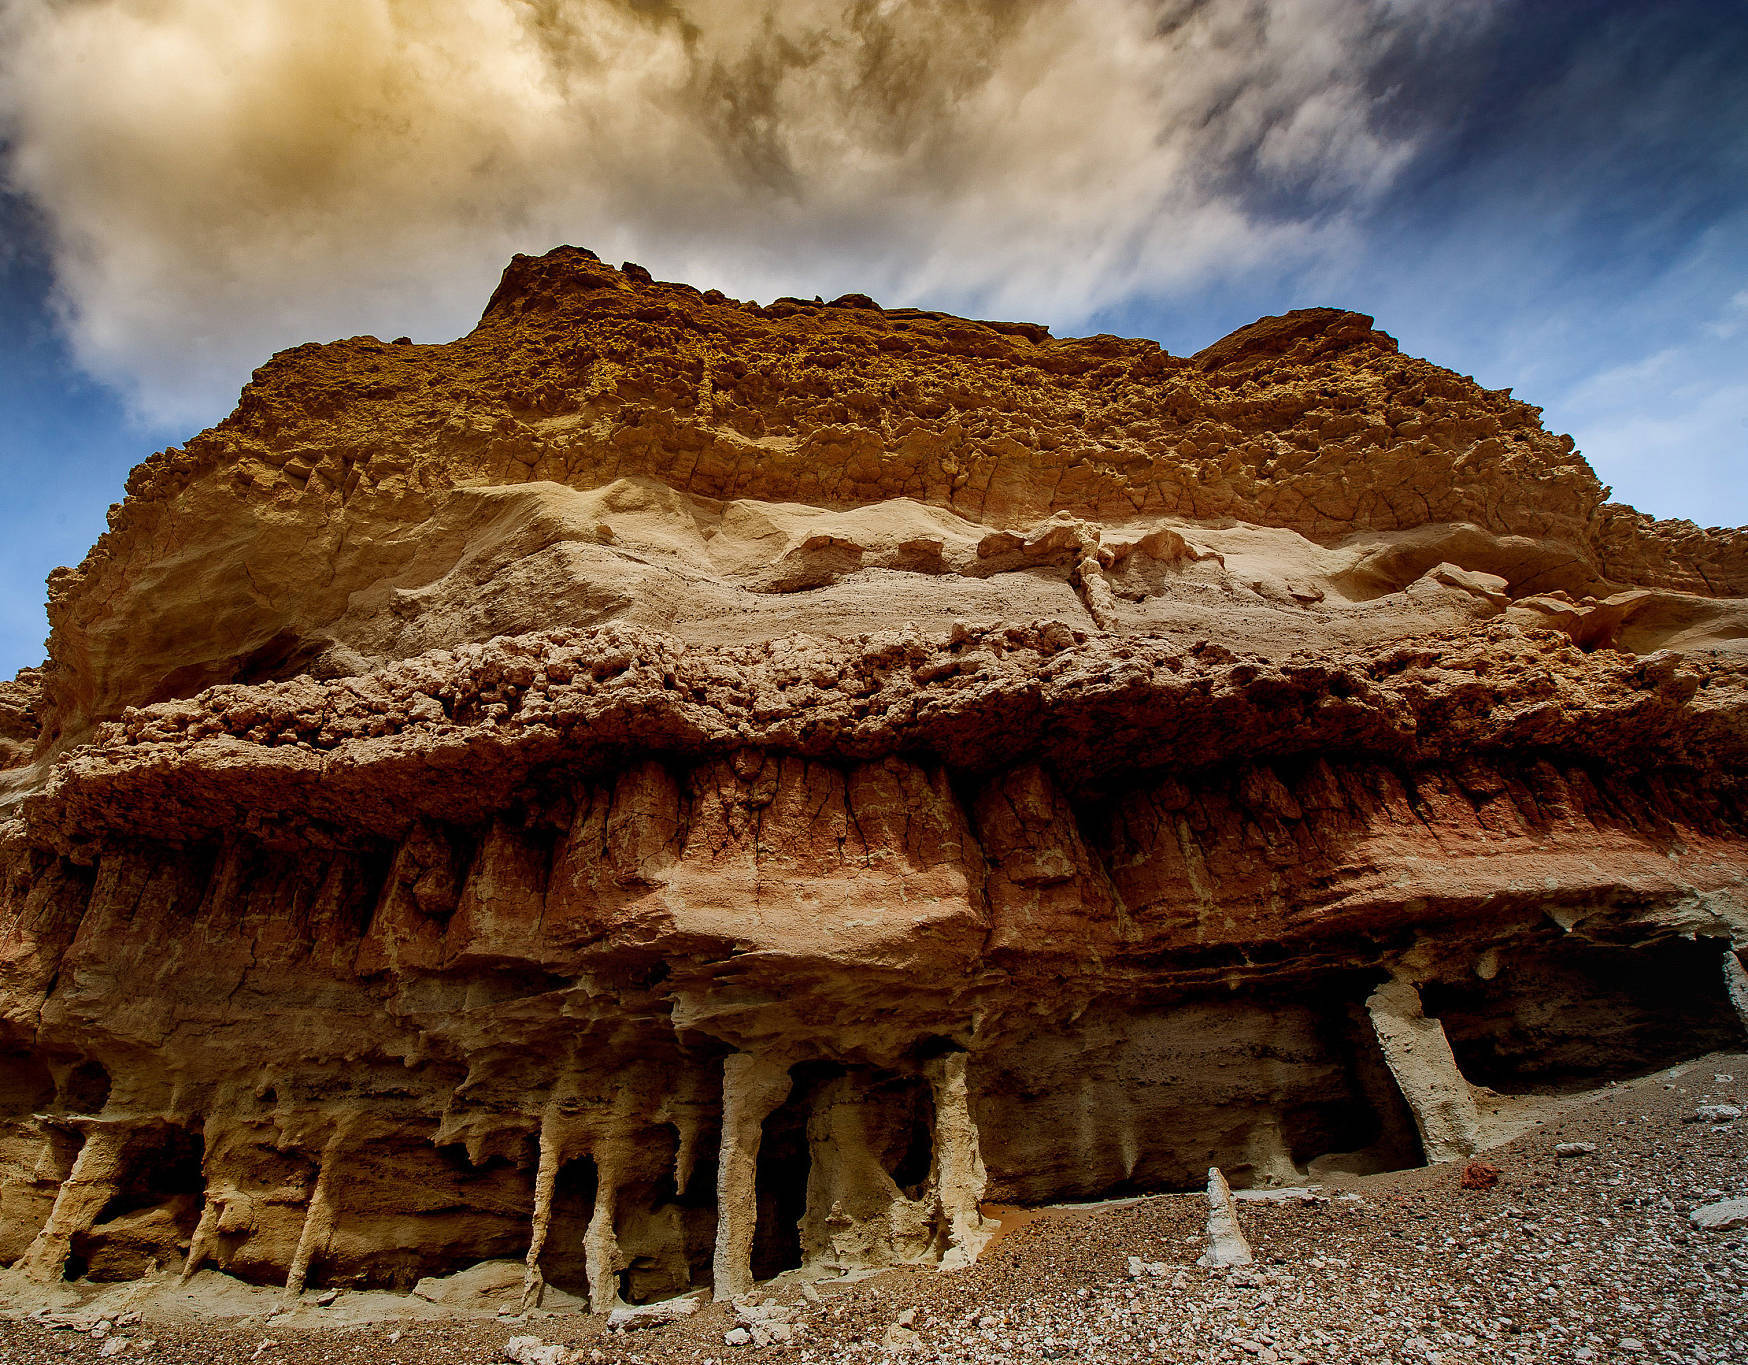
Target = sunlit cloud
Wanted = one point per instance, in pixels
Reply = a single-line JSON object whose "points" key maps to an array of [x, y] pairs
{"points": [[222, 178]]}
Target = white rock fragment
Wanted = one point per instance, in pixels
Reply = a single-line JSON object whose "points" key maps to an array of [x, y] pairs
{"points": [[1572, 1149], [1291, 1194], [1716, 1113], [737, 1336], [654, 1314], [534, 1351], [1226, 1244], [1722, 1216]]}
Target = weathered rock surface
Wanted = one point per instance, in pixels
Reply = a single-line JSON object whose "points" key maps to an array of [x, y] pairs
{"points": [[661, 791]]}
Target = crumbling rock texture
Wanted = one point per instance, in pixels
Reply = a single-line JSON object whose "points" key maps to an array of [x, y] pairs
{"points": [[675, 792]]}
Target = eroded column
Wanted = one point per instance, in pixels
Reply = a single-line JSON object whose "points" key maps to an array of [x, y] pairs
{"points": [[89, 1186], [318, 1221], [1420, 1058], [1736, 983], [211, 1210], [960, 1175], [545, 1182], [752, 1088], [204, 1232], [601, 1255]]}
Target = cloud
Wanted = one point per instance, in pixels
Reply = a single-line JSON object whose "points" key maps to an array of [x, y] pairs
{"points": [[221, 178]]}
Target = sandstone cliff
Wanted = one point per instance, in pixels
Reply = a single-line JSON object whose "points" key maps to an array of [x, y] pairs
{"points": [[673, 791]]}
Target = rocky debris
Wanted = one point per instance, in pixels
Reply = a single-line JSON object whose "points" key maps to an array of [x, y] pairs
{"points": [[533, 1351], [1721, 1216], [1480, 1175], [1715, 1113], [902, 1336], [1226, 1243], [763, 1323], [653, 1314], [1567, 1150]]}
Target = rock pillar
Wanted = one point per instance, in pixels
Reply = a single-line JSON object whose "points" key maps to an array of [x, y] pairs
{"points": [[89, 1186], [752, 1088], [1226, 1241], [1736, 983], [204, 1232], [545, 1182], [600, 1242], [318, 1221], [1420, 1058], [960, 1176]]}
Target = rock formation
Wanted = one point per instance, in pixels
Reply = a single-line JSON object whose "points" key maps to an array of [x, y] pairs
{"points": [[669, 791]]}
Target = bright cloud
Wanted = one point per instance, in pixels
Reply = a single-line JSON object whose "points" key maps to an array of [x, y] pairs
{"points": [[220, 178]]}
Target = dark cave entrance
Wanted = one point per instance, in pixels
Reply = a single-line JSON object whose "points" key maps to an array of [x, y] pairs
{"points": [[85, 1089], [153, 1212], [1569, 1015], [905, 1136], [1361, 1124], [667, 1234], [1275, 1086], [562, 1260], [26, 1086], [785, 1162]]}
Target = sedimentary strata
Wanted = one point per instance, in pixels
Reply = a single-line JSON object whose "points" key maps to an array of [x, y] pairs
{"points": [[672, 791]]}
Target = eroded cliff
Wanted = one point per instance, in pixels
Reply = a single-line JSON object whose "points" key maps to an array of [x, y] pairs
{"points": [[674, 791]]}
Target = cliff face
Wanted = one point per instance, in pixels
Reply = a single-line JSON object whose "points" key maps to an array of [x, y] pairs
{"points": [[671, 791]]}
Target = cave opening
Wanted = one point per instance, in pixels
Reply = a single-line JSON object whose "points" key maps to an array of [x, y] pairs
{"points": [[1273, 1086], [1570, 1015], [152, 1213], [85, 1089], [1364, 1125], [159, 1169], [908, 1151], [26, 1085], [562, 1260], [785, 1161], [666, 1235]]}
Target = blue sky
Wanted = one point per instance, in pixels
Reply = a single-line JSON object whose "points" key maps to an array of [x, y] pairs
{"points": [[1548, 196]]}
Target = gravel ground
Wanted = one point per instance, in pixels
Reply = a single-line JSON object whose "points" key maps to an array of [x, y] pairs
{"points": [[1584, 1259]]}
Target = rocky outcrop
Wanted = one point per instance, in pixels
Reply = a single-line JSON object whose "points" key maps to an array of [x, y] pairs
{"points": [[666, 792], [19, 721]]}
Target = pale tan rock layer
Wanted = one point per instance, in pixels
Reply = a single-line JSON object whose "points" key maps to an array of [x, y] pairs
{"points": [[663, 792], [369, 499]]}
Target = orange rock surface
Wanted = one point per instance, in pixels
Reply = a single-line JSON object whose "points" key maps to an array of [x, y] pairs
{"points": [[670, 791]]}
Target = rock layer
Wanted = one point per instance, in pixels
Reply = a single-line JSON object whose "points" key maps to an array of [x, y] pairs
{"points": [[669, 791]]}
